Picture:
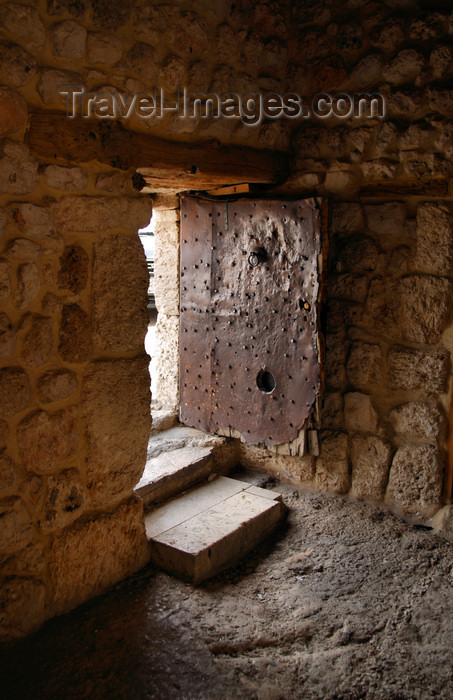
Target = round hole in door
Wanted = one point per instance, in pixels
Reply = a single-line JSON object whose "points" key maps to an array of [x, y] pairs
{"points": [[265, 381]]}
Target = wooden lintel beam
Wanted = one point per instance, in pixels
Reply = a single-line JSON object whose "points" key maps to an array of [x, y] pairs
{"points": [[201, 165]]}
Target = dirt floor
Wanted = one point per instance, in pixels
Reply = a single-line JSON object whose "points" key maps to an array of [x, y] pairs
{"points": [[347, 602]]}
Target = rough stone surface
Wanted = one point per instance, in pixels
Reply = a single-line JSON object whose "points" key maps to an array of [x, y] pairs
{"points": [[51, 84], [17, 66], [44, 439], [120, 283], [385, 218], [7, 472], [357, 254], [28, 561], [370, 457], [38, 342], [56, 385], [418, 419], [13, 110], [17, 528], [18, 170], [5, 279], [7, 337], [67, 179], [359, 413], [364, 365], [116, 542], [347, 217], [404, 68], [336, 352], [419, 369], [117, 421], [104, 48], [4, 432], [165, 365], [101, 213], [22, 605], [415, 482], [75, 344], [23, 249], [65, 500], [434, 247], [443, 522], [23, 23], [166, 268], [28, 285], [332, 466], [14, 391], [68, 39], [73, 273], [332, 411]]}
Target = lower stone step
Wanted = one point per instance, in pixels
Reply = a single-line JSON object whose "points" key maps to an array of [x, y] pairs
{"points": [[212, 527]]}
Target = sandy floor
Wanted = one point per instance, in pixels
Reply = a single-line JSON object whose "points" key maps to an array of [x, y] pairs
{"points": [[348, 602]]}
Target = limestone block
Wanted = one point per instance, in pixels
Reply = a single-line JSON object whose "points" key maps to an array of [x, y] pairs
{"points": [[7, 337], [189, 34], [398, 262], [73, 273], [117, 421], [173, 73], [336, 353], [442, 522], [66, 497], [18, 170], [4, 432], [166, 270], [51, 84], [33, 491], [415, 137], [14, 391], [440, 101], [61, 178], [441, 60], [17, 66], [3, 222], [421, 305], [364, 365], [357, 254], [17, 528], [434, 248], [143, 60], [116, 542], [332, 467], [68, 39], [38, 342], [418, 419], [23, 249], [117, 183], [347, 217], [350, 287], [370, 458], [56, 385], [119, 284], [419, 369], [360, 415], [380, 169], [112, 14], [166, 361], [415, 482], [404, 68], [165, 202], [341, 180], [367, 72], [332, 411], [22, 605], [28, 561], [386, 137], [28, 285], [104, 48], [13, 110], [23, 22], [76, 8], [386, 218], [5, 279], [75, 340], [7, 472], [96, 214], [44, 439]]}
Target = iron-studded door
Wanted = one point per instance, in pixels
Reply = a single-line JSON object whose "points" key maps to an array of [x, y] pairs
{"points": [[249, 316]]}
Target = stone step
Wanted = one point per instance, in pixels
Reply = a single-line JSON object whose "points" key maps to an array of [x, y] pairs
{"points": [[179, 458], [212, 527]]}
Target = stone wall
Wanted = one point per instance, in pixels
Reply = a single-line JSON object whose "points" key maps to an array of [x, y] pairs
{"points": [[74, 389]]}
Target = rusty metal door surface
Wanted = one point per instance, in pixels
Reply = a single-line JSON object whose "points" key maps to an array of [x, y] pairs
{"points": [[249, 316]]}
